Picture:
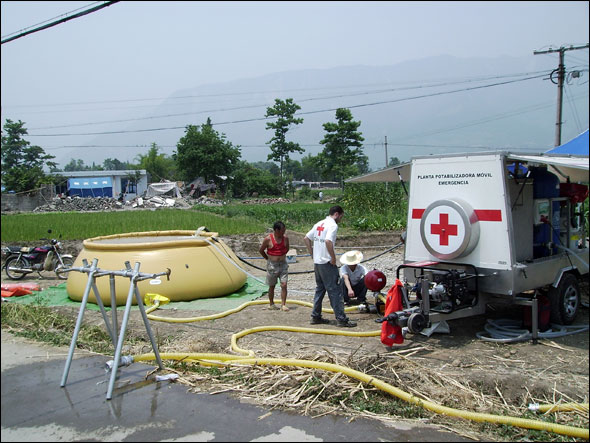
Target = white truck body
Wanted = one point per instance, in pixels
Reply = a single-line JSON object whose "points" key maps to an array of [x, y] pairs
{"points": [[483, 215]]}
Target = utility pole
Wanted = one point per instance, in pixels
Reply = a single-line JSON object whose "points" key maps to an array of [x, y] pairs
{"points": [[386, 160], [560, 76]]}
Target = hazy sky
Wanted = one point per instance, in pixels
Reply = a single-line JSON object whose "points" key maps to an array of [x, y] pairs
{"points": [[139, 50]]}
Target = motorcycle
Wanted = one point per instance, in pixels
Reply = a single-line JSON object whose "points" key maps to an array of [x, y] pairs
{"points": [[7, 252], [37, 259]]}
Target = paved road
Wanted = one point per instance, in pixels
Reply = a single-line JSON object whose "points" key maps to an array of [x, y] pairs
{"points": [[36, 408]]}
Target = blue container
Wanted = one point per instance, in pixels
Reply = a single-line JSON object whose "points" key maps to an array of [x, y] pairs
{"points": [[545, 186]]}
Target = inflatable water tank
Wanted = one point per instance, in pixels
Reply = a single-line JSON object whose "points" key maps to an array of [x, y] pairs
{"points": [[202, 265]]}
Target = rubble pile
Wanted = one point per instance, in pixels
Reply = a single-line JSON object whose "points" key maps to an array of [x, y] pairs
{"points": [[267, 201], [204, 200], [89, 204], [68, 204]]}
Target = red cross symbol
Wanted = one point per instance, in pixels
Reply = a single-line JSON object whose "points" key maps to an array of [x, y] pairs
{"points": [[443, 229], [320, 228]]}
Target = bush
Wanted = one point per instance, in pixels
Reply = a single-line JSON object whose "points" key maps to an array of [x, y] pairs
{"points": [[375, 206]]}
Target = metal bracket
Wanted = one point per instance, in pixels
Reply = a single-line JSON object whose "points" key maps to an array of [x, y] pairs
{"points": [[134, 276]]}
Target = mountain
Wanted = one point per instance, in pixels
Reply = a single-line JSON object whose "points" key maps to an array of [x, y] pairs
{"points": [[465, 112]]}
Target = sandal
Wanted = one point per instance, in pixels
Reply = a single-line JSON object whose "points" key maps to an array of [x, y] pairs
{"points": [[284, 308]]}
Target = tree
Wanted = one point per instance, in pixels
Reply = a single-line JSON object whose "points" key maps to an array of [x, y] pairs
{"points": [[394, 161], [267, 166], [158, 166], [205, 153], [132, 177], [113, 164], [76, 164], [22, 164], [293, 168], [279, 146], [248, 179], [342, 156], [311, 168]]}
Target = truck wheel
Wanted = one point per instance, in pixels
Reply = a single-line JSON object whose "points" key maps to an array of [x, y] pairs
{"points": [[565, 300]]}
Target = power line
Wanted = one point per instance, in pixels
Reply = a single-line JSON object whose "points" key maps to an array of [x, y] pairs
{"points": [[381, 91], [59, 21], [573, 107], [438, 131], [301, 113], [434, 83], [560, 77]]}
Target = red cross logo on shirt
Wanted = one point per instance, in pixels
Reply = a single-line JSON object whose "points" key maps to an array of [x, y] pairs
{"points": [[444, 229], [320, 228]]}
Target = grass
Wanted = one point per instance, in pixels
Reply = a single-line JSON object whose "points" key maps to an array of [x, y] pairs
{"points": [[367, 207], [296, 216], [52, 327], [57, 329], [80, 226]]}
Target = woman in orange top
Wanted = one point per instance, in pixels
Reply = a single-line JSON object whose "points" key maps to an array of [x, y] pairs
{"points": [[274, 249]]}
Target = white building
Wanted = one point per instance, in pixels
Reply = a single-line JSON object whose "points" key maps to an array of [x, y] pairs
{"points": [[130, 183]]}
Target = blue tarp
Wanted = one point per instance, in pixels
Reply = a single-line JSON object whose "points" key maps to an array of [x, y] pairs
{"points": [[90, 187], [576, 146]]}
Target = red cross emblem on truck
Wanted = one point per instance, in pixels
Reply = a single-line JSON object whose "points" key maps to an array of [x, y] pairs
{"points": [[444, 229]]}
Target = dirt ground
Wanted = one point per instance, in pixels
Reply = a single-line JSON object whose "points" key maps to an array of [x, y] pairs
{"points": [[456, 368]]}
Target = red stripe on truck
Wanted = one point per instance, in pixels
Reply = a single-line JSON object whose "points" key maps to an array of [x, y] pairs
{"points": [[493, 215], [489, 214], [418, 213]]}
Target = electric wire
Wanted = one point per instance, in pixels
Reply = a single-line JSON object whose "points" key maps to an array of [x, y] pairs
{"points": [[242, 259], [435, 83], [299, 114], [59, 21], [48, 20], [573, 108]]}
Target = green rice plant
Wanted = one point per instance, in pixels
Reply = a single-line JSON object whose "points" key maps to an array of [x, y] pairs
{"points": [[296, 216], [79, 226], [375, 206]]}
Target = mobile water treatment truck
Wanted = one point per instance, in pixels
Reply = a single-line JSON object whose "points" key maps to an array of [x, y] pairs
{"points": [[489, 228]]}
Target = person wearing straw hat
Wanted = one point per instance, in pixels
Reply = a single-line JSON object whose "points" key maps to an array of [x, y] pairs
{"points": [[352, 278]]}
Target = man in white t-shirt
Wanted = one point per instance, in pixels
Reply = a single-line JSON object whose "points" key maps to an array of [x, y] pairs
{"points": [[352, 278], [320, 242]]}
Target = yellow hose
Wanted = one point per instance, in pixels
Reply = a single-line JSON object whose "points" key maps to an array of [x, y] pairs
{"points": [[231, 311], [563, 407], [383, 386], [219, 359], [235, 337]]}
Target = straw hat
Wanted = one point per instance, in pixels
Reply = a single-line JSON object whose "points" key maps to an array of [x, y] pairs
{"points": [[351, 258]]}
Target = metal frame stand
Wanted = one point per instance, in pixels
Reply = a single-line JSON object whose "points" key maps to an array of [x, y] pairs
{"points": [[134, 276], [534, 304]]}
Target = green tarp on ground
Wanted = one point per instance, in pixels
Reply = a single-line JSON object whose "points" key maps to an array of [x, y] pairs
{"points": [[58, 296]]}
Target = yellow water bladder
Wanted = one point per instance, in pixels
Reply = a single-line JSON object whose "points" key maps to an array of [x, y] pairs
{"points": [[201, 265]]}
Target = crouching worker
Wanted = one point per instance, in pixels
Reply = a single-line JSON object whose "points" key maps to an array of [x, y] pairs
{"points": [[352, 278], [274, 249]]}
